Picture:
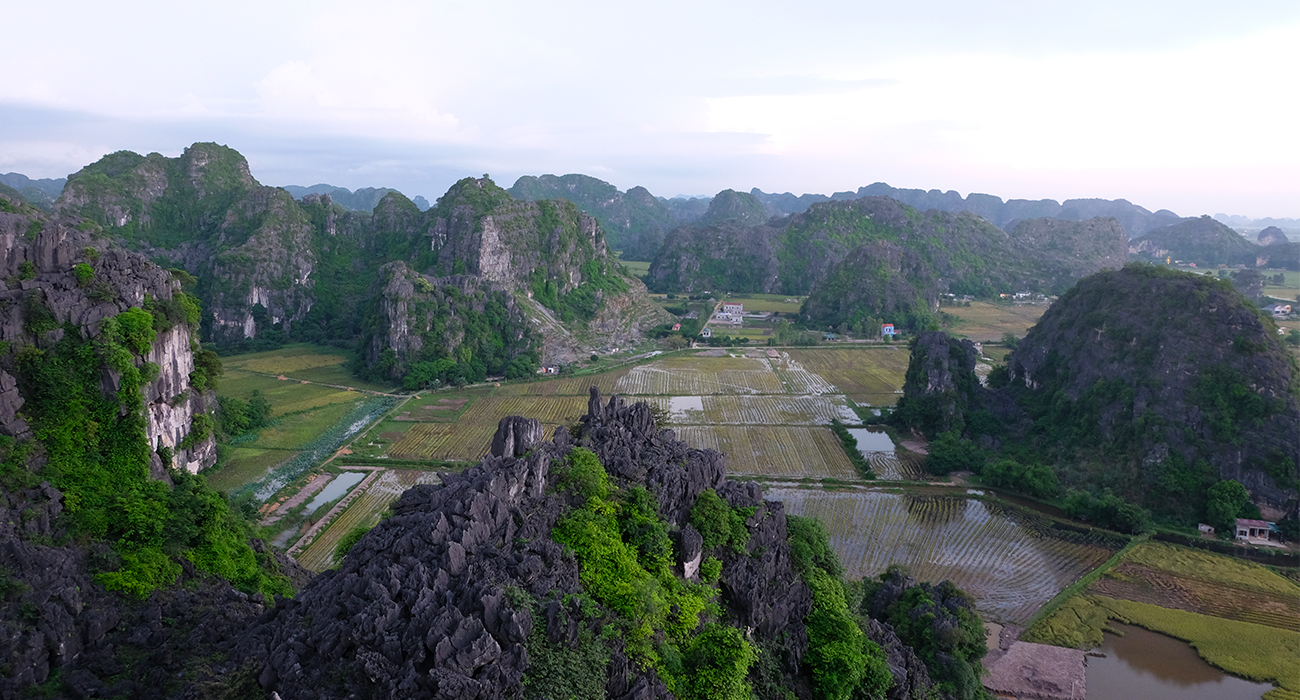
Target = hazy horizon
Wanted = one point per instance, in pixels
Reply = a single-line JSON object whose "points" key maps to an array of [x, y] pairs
{"points": [[1179, 106]]}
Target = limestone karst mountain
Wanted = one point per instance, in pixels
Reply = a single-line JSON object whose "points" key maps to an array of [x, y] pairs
{"points": [[271, 269]]}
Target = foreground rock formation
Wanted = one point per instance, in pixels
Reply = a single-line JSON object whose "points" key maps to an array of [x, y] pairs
{"points": [[440, 598]]}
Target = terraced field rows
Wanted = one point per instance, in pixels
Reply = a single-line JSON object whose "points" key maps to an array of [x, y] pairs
{"points": [[776, 410], [569, 386], [779, 451], [799, 380], [363, 511], [551, 410], [892, 467], [1009, 564], [652, 380], [857, 371], [453, 441]]}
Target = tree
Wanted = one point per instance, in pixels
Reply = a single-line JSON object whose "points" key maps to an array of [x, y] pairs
{"points": [[1225, 503]]}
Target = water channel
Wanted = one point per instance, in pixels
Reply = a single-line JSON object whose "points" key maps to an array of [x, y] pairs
{"points": [[1151, 666]]}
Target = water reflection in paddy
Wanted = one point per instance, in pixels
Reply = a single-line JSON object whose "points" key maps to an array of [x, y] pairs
{"points": [[1151, 666], [334, 490], [872, 440]]}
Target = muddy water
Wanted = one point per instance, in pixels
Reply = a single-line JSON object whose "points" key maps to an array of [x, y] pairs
{"points": [[1150, 666]]}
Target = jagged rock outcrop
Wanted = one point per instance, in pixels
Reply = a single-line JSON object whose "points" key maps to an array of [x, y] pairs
{"points": [[911, 677], [940, 385], [433, 601]]}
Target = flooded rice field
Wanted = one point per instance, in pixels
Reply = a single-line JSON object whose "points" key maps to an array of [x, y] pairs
{"points": [[1010, 562], [876, 445]]}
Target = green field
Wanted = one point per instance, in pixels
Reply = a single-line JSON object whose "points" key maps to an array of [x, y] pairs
{"points": [[304, 362], [769, 302], [301, 409], [984, 321]]}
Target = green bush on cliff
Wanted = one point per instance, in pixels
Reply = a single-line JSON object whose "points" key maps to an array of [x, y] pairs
{"points": [[625, 564], [98, 456]]}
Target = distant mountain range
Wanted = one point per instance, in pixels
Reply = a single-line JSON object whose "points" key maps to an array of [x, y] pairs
{"points": [[638, 226], [40, 193], [364, 199]]}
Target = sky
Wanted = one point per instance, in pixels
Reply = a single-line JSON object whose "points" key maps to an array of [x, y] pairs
{"points": [[1184, 105]]}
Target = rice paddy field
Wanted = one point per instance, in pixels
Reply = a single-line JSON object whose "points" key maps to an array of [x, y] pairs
{"points": [[870, 376], [985, 321], [781, 451], [1010, 562], [764, 408], [364, 510]]}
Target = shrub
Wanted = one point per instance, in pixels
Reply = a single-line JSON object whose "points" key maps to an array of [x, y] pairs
{"points": [[710, 570], [715, 665], [719, 523], [84, 274]]}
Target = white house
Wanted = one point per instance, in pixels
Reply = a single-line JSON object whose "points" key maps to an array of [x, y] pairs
{"points": [[733, 307]]}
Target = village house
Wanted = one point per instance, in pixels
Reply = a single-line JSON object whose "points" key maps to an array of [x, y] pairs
{"points": [[733, 307], [706, 333], [1255, 530], [887, 329], [1279, 310]]}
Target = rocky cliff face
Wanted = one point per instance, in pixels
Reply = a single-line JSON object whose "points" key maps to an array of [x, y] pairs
{"points": [[249, 245], [58, 275], [420, 318], [272, 269]]}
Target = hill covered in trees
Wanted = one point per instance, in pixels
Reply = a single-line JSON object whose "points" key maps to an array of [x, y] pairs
{"points": [[1145, 384], [1203, 241]]}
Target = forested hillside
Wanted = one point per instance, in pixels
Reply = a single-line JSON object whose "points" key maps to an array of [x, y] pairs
{"points": [[1143, 383]]}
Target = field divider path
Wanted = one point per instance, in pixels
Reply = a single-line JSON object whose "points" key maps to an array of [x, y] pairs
{"points": [[338, 508], [332, 386]]}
